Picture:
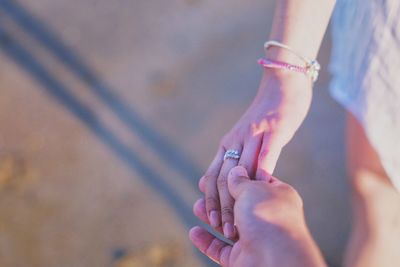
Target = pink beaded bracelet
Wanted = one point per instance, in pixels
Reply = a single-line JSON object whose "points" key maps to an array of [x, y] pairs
{"points": [[274, 64], [311, 67]]}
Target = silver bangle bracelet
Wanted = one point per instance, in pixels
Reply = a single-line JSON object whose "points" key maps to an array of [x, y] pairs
{"points": [[312, 66]]}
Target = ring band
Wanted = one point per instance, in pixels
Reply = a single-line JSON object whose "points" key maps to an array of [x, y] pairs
{"points": [[232, 154]]}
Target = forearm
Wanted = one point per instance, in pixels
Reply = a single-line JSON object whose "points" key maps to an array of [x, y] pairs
{"points": [[301, 24], [296, 241]]}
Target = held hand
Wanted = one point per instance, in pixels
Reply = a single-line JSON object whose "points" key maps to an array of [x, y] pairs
{"points": [[270, 222], [269, 124]]}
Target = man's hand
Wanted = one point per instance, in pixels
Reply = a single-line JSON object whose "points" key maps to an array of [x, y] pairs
{"points": [[270, 223]]}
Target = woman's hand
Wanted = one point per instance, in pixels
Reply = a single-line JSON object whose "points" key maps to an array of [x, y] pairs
{"points": [[269, 123]]}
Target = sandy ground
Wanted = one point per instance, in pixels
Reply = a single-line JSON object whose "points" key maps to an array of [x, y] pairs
{"points": [[111, 110]]}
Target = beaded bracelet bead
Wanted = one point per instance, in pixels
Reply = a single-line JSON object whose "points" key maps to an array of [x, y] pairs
{"points": [[275, 64], [311, 67]]}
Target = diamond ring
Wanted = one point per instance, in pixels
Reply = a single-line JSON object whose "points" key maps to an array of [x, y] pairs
{"points": [[231, 154]]}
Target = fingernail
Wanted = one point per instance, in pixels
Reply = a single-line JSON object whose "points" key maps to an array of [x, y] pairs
{"points": [[214, 218], [199, 201], [228, 230]]}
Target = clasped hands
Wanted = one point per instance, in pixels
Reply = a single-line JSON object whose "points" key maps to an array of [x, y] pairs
{"points": [[262, 215], [269, 228]]}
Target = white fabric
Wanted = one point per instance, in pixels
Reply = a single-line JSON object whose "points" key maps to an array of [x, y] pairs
{"points": [[366, 72]]}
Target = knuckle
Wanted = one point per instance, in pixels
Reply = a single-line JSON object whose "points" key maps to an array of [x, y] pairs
{"points": [[292, 194], [229, 139], [211, 203], [253, 130], [222, 182], [202, 179], [245, 165], [291, 191], [210, 252], [208, 178], [286, 188], [227, 212]]}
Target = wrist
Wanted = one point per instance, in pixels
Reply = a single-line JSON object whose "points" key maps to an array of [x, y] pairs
{"points": [[277, 53], [283, 56], [302, 247], [284, 77], [285, 86]]}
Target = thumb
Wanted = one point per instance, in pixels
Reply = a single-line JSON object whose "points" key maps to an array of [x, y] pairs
{"points": [[236, 179], [262, 175]]}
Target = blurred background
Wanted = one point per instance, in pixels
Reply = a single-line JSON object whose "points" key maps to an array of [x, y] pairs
{"points": [[110, 111]]}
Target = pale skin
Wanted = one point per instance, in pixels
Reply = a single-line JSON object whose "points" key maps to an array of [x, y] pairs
{"points": [[375, 238], [265, 209], [279, 108], [277, 111]]}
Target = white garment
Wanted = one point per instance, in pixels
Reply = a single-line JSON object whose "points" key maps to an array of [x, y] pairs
{"points": [[366, 72]]}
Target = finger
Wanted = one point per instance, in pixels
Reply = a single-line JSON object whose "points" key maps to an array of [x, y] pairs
{"points": [[211, 246], [264, 176], [269, 154], [199, 209], [202, 184], [211, 191], [225, 256], [237, 177], [226, 200], [249, 157]]}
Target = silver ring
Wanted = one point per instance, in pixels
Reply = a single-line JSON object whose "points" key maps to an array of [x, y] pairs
{"points": [[232, 154]]}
